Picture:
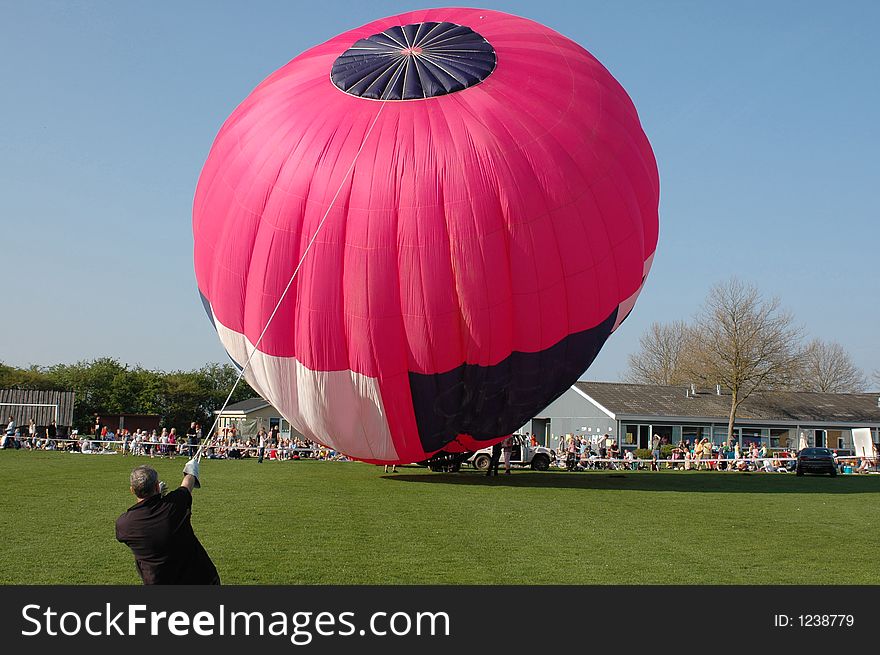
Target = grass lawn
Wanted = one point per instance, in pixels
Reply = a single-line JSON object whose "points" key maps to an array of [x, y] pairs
{"points": [[349, 523]]}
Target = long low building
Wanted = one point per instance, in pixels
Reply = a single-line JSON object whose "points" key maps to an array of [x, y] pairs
{"points": [[632, 413], [249, 416], [43, 407]]}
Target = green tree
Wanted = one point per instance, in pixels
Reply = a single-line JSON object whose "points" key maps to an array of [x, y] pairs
{"points": [[105, 386], [195, 395], [18, 378], [94, 385]]}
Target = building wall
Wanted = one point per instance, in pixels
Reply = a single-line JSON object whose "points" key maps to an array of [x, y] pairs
{"points": [[42, 406], [253, 421], [571, 413]]}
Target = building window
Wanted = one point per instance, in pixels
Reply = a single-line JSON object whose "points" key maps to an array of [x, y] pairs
{"points": [[780, 438], [760, 436], [694, 433], [719, 435]]}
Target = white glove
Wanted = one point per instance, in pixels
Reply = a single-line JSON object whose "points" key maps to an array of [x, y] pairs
{"points": [[192, 468], [163, 488]]}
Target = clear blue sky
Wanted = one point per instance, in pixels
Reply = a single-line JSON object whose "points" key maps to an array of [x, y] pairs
{"points": [[763, 117]]}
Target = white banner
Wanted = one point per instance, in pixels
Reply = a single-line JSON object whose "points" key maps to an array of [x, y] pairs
{"points": [[863, 443]]}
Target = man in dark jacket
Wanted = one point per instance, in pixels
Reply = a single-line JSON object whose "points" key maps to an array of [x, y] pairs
{"points": [[493, 462], [158, 530]]}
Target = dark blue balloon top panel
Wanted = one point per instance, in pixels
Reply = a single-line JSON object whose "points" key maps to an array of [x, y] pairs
{"points": [[415, 61]]}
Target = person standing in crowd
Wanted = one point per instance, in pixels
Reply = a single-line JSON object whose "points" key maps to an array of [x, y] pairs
{"points": [[261, 448], [655, 453], [9, 435], [159, 531], [610, 450], [571, 452], [493, 461], [507, 447], [51, 434], [603, 451], [698, 454], [708, 454], [191, 439]]}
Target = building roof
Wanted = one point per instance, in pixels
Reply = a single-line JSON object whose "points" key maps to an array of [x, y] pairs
{"points": [[245, 406], [785, 406]]}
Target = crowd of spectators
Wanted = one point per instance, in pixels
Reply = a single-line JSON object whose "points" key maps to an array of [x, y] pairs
{"points": [[573, 452], [579, 453], [228, 443]]}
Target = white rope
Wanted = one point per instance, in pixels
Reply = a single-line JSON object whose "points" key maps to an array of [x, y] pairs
{"points": [[244, 368]]}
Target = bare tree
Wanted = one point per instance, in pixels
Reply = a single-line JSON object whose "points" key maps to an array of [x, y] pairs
{"points": [[658, 360], [827, 367], [747, 343], [875, 377]]}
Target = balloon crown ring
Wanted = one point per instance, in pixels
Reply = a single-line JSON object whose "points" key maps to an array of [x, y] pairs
{"points": [[414, 62]]}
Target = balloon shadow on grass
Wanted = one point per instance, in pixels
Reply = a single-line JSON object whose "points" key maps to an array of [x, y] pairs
{"points": [[693, 481]]}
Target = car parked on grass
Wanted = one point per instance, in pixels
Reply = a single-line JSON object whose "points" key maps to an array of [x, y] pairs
{"points": [[816, 460], [523, 454]]}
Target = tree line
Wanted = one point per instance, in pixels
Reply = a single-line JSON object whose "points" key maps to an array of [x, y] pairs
{"points": [[105, 386], [746, 343]]}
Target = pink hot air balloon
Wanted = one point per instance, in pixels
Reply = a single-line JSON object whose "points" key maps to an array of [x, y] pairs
{"points": [[489, 207]]}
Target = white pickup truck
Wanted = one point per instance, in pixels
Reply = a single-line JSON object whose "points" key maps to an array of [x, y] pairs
{"points": [[523, 454]]}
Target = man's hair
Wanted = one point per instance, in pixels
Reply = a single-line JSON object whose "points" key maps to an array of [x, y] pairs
{"points": [[143, 481]]}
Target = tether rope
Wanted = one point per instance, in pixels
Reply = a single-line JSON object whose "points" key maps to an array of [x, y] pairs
{"points": [[209, 436]]}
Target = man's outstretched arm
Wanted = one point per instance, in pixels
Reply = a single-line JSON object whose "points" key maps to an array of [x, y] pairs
{"points": [[191, 475]]}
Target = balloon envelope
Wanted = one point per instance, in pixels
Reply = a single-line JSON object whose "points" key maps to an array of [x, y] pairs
{"points": [[489, 206]]}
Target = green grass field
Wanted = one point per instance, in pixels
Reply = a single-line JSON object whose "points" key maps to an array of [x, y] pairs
{"points": [[349, 523]]}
